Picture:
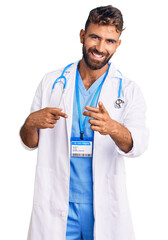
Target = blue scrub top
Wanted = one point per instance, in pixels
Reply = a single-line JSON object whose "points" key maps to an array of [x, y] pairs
{"points": [[81, 183]]}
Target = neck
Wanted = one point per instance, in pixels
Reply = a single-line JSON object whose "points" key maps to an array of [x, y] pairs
{"points": [[88, 75]]}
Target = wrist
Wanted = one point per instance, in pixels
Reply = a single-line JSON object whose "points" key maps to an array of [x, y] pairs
{"points": [[114, 128], [29, 123]]}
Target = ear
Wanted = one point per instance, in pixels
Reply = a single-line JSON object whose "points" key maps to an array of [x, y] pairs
{"points": [[118, 43], [82, 35]]}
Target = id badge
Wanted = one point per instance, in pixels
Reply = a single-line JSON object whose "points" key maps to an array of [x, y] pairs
{"points": [[81, 148]]}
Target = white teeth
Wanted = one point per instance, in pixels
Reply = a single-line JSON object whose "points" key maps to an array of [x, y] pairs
{"points": [[98, 56]]}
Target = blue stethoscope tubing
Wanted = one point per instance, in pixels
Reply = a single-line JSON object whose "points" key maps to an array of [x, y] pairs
{"points": [[65, 80], [120, 86], [62, 76]]}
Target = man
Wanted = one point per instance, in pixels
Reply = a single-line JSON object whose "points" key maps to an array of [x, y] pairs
{"points": [[84, 119]]}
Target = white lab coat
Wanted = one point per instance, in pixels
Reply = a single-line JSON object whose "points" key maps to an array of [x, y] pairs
{"points": [[51, 191]]}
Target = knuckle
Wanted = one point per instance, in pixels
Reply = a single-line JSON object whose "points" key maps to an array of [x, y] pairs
{"points": [[44, 124], [48, 114], [47, 121], [46, 109], [102, 129], [103, 118]]}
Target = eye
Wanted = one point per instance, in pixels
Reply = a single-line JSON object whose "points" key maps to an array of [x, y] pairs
{"points": [[94, 36], [111, 41]]}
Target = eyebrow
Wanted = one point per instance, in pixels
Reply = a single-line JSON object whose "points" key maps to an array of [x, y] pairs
{"points": [[95, 35]]}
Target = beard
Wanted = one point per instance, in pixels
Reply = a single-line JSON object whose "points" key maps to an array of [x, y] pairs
{"points": [[95, 64]]}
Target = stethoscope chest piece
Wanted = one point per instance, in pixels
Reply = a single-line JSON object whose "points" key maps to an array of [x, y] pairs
{"points": [[119, 103]]}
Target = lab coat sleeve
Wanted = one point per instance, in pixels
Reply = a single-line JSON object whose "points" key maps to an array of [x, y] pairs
{"points": [[36, 105], [37, 100], [134, 121]]}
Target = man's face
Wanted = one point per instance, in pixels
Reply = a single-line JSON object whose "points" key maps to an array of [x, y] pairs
{"points": [[99, 44]]}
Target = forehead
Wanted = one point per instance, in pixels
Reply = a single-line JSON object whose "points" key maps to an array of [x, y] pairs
{"points": [[103, 31]]}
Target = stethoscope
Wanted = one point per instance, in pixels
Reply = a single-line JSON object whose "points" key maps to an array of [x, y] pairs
{"points": [[62, 76], [118, 103]]}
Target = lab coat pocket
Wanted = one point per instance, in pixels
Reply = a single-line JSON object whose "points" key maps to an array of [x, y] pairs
{"points": [[117, 193], [45, 192]]}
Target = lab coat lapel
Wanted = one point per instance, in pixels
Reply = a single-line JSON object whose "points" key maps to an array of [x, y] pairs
{"points": [[68, 97], [107, 86]]}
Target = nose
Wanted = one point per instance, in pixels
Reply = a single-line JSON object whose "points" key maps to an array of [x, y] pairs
{"points": [[100, 47]]}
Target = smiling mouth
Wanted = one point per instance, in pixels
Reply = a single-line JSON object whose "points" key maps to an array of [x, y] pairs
{"points": [[97, 55]]}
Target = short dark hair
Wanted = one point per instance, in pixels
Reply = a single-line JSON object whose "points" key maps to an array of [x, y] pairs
{"points": [[107, 15]]}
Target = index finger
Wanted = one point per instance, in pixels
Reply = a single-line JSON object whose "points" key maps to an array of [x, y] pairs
{"points": [[62, 114], [58, 112], [92, 109]]}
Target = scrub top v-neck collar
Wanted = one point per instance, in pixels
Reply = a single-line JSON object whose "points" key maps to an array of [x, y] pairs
{"points": [[92, 88]]}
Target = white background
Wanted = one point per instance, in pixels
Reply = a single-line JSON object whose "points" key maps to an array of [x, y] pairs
{"points": [[39, 36]]}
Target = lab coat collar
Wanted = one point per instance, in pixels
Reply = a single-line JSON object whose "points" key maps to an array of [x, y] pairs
{"points": [[113, 72]]}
